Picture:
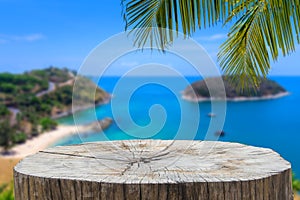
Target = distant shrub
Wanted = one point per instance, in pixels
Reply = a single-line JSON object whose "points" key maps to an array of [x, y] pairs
{"points": [[4, 111], [296, 183], [8, 88], [7, 192], [39, 73], [19, 138], [27, 88], [48, 123], [6, 133], [2, 187]]}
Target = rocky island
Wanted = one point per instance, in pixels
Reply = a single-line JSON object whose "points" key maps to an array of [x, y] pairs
{"points": [[198, 91]]}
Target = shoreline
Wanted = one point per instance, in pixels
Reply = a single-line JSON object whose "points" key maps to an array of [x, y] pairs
{"points": [[41, 142], [45, 140], [81, 108], [236, 99]]}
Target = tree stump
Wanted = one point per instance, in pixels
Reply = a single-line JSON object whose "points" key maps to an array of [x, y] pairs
{"points": [[154, 169]]}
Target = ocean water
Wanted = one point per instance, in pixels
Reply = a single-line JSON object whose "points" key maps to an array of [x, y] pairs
{"points": [[272, 123]]}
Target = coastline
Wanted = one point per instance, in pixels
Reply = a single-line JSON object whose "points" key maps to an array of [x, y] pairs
{"points": [[236, 99], [82, 108], [30, 147], [45, 140], [41, 142]]}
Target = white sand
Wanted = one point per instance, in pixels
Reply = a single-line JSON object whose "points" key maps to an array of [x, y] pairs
{"points": [[47, 139], [42, 141], [202, 99]]}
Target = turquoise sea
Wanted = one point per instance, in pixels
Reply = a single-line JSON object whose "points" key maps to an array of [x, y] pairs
{"points": [[267, 123]]}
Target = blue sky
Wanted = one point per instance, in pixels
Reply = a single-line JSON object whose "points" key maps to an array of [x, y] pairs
{"points": [[37, 34]]}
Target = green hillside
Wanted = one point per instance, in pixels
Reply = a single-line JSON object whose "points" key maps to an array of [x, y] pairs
{"points": [[29, 102]]}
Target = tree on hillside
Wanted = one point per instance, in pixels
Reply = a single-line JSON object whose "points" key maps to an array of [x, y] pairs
{"points": [[5, 135], [48, 124], [261, 28], [4, 112]]}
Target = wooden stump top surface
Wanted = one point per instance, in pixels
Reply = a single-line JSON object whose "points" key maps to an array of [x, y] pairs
{"points": [[154, 161]]}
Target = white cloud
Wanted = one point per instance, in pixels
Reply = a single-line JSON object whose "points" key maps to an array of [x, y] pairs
{"points": [[212, 37], [31, 38], [3, 41], [129, 63], [4, 38]]}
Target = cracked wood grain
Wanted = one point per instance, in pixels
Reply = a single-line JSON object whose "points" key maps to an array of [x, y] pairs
{"points": [[154, 169]]}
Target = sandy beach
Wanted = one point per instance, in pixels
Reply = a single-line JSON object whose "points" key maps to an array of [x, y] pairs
{"points": [[30, 147], [47, 139], [41, 142]]}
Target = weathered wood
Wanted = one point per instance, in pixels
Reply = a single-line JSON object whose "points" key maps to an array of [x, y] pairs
{"points": [[154, 169]]}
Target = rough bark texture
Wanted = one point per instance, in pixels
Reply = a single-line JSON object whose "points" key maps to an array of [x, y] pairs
{"points": [[154, 169]]}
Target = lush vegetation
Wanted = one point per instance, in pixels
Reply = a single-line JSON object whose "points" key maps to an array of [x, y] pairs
{"points": [[7, 192], [28, 107], [53, 74], [4, 110], [13, 85], [200, 89], [6, 134], [296, 184]]}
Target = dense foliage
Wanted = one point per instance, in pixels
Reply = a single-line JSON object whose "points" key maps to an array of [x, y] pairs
{"points": [[6, 192], [53, 74], [12, 85], [296, 183], [48, 124], [19, 138], [5, 134], [200, 89], [3, 110]]}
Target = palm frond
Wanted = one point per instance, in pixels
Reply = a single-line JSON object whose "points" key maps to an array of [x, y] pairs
{"points": [[150, 20], [264, 30]]}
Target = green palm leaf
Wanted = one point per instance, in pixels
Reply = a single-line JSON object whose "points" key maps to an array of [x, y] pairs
{"points": [[262, 28], [257, 36], [150, 19]]}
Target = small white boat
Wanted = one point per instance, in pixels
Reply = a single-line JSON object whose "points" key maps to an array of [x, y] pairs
{"points": [[211, 114]]}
